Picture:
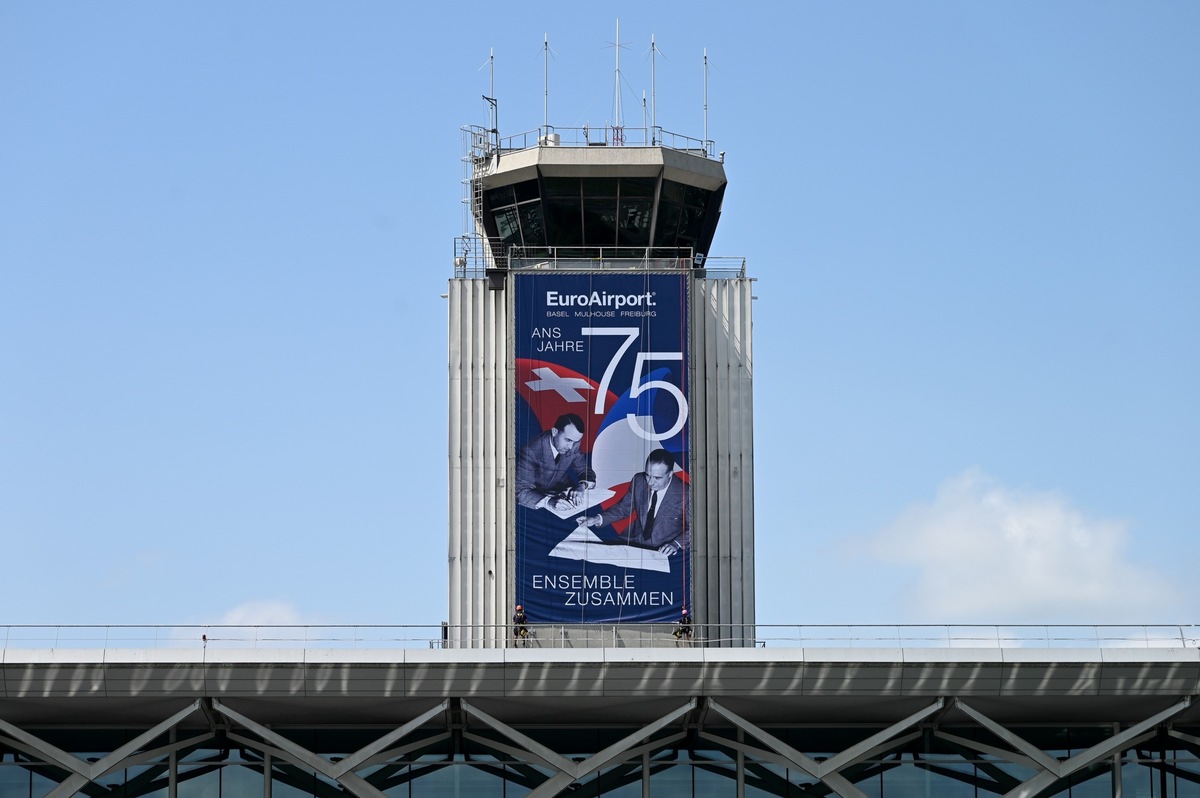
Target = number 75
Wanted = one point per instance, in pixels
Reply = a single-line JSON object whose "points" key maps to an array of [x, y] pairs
{"points": [[636, 386]]}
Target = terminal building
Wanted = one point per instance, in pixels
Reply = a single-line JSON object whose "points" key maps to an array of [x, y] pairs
{"points": [[370, 713], [601, 478]]}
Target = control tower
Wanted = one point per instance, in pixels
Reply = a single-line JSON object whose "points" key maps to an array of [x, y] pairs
{"points": [[600, 394]]}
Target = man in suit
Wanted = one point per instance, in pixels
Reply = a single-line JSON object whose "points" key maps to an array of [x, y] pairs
{"points": [[552, 467], [660, 503]]}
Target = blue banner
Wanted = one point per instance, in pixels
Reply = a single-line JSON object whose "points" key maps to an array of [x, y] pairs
{"points": [[602, 487]]}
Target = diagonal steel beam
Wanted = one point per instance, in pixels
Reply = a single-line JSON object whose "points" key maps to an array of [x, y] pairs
{"points": [[521, 755], [602, 758], [43, 749], [770, 757], [544, 754], [113, 761], [991, 750], [148, 755], [834, 781], [81, 772], [883, 747], [753, 752], [385, 757], [1040, 758], [1141, 738], [297, 752], [864, 748], [516, 752], [569, 771], [876, 743], [351, 781], [357, 759], [1187, 738], [649, 748], [32, 752], [1102, 749]]}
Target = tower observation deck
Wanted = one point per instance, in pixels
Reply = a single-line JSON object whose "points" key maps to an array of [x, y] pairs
{"points": [[635, 194], [601, 413]]}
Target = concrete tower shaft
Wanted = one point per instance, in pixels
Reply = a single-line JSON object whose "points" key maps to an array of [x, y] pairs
{"points": [[587, 312]]}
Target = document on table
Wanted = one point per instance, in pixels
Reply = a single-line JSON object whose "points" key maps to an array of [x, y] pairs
{"points": [[583, 499], [584, 544]]}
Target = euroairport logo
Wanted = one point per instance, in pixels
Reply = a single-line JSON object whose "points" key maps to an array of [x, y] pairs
{"points": [[599, 299]]}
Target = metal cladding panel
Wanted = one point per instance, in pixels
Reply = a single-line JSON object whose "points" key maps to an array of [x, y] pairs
{"points": [[723, 458], [478, 446]]}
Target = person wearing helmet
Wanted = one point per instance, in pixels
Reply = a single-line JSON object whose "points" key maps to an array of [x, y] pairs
{"points": [[520, 629], [683, 629]]}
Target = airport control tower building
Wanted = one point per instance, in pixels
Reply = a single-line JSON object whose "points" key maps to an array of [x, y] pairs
{"points": [[600, 393]]}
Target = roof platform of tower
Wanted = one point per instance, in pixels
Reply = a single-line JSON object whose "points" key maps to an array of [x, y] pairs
{"points": [[645, 192], [605, 151]]}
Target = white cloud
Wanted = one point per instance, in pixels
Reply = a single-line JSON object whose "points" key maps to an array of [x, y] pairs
{"points": [[986, 553], [263, 613], [240, 627]]}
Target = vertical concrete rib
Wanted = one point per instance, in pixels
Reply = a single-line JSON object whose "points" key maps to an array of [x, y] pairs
{"points": [[723, 420], [743, 420], [496, 575], [454, 299], [470, 422], [701, 578], [478, 460], [723, 444], [486, 486]]}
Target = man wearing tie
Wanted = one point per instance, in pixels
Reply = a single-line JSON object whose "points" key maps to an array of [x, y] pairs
{"points": [[660, 502], [552, 467]]}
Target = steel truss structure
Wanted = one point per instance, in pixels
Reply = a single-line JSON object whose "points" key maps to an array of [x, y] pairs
{"points": [[600, 722]]}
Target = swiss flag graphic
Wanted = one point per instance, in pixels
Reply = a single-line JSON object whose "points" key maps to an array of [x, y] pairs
{"points": [[553, 390]]}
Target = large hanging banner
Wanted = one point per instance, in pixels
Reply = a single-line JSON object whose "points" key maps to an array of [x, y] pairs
{"points": [[603, 516]]}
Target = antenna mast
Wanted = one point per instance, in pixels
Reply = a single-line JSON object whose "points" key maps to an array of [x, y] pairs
{"points": [[617, 104], [706, 98], [490, 97], [653, 92], [546, 85]]}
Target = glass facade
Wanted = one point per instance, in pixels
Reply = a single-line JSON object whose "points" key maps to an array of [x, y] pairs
{"points": [[608, 212], [716, 763]]}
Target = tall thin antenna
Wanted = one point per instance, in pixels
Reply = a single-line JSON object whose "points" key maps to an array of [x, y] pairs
{"points": [[493, 101], [546, 85], [644, 114], [653, 90], [490, 97], [706, 98], [617, 104]]}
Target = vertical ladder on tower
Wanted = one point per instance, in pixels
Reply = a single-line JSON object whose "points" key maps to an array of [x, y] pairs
{"points": [[482, 166], [478, 160]]}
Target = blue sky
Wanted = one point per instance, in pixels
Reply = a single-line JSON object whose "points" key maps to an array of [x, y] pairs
{"points": [[225, 227]]}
